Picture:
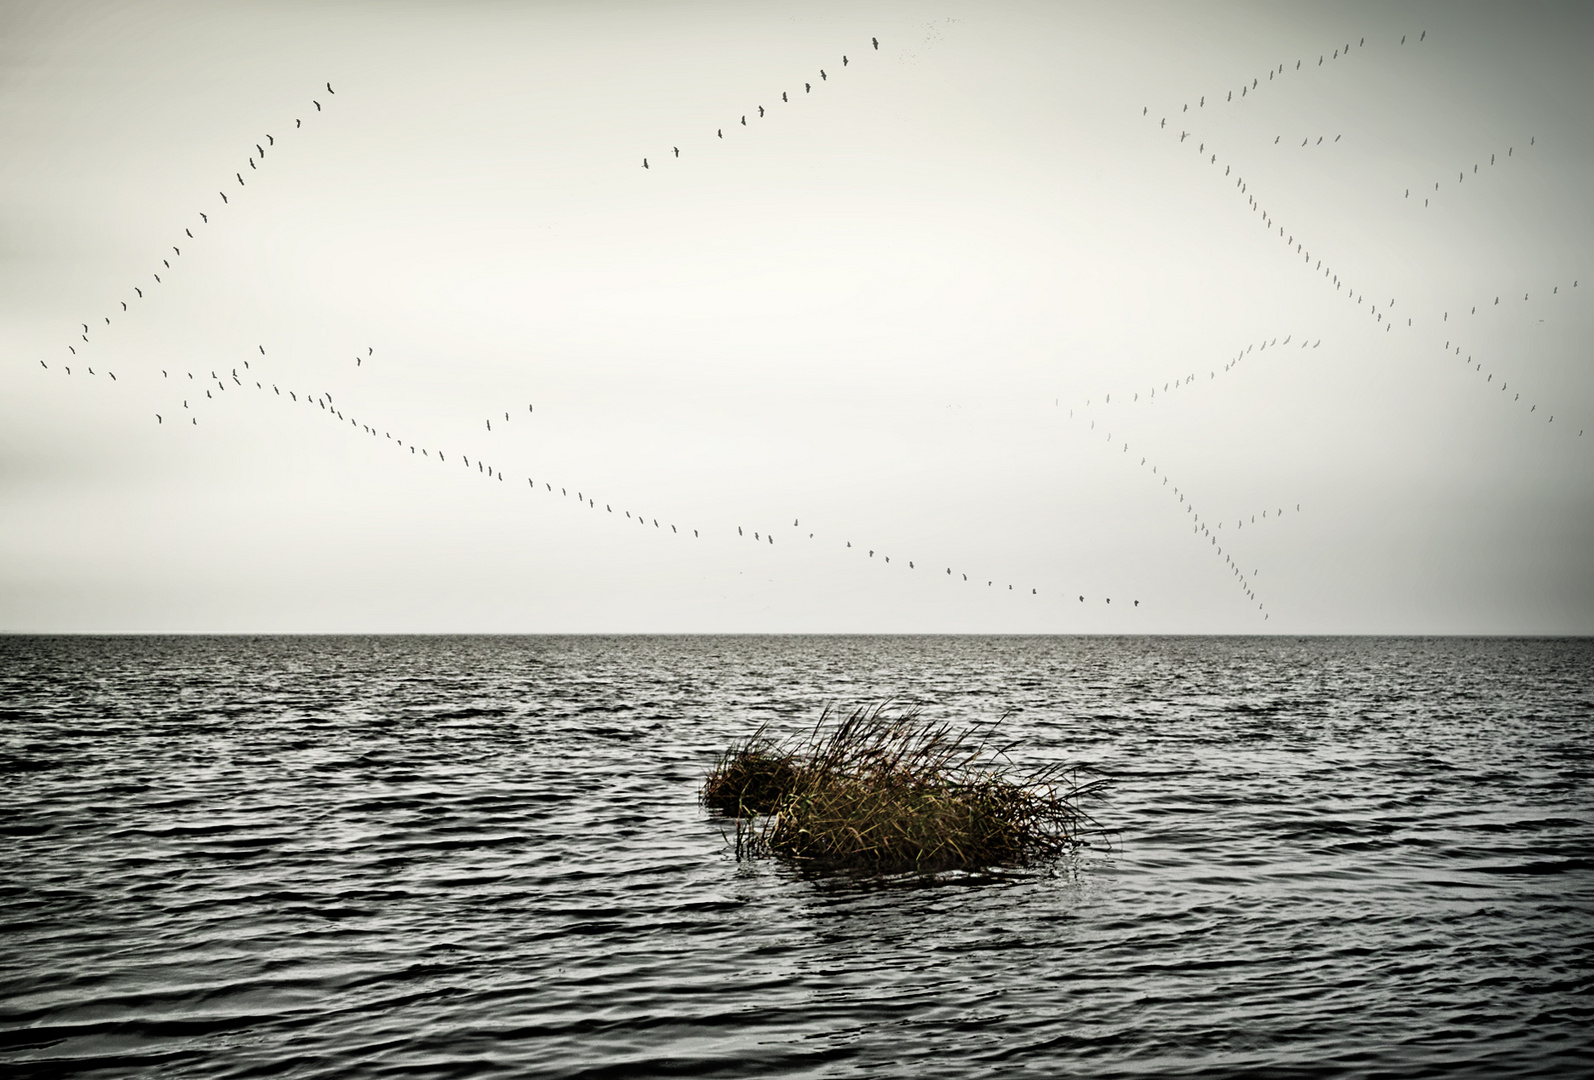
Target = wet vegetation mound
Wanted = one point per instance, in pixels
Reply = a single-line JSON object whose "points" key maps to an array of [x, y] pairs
{"points": [[889, 791]]}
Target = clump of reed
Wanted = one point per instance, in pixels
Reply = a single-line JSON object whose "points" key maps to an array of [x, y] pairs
{"points": [[889, 791]]}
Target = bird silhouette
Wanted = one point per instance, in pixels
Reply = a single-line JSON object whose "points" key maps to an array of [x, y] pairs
{"points": [[270, 141], [252, 164], [317, 105], [677, 150], [783, 95], [297, 122], [822, 74], [844, 60], [204, 218], [330, 90], [876, 43], [644, 163], [223, 195], [760, 110], [744, 120], [720, 132], [808, 88]]}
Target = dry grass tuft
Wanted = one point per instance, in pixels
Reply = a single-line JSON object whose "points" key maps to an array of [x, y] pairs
{"points": [[887, 791]]}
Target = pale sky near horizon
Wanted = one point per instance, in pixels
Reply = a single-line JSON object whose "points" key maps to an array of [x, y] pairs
{"points": [[875, 314]]}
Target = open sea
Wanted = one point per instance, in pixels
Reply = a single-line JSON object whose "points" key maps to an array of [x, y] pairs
{"points": [[465, 856]]}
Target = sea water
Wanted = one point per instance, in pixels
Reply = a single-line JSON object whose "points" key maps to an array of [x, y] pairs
{"points": [[424, 856]]}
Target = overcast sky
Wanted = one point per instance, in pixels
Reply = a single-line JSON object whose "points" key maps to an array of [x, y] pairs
{"points": [[890, 311]]}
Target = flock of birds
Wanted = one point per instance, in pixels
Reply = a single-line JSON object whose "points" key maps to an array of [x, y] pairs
{"points": [[808, 88], [1298, 246], [1202, 525]]}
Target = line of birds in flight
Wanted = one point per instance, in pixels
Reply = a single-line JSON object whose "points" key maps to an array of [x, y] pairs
{"points": [[204, 219], [1461, 174], [1186, 380], [808, 88], [1338, 52], [326, 402]]}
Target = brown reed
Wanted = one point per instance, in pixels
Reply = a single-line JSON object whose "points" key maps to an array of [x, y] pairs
{"points": [[890, 791]]}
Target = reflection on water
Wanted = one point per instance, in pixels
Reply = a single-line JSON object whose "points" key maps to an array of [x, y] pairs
{"points": [[437, 856]]}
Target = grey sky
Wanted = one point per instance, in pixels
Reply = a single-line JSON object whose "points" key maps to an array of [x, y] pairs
{"points": [[879, 311]]}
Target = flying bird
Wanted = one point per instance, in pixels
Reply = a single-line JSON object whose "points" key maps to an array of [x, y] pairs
{"points": [[808, 88], [644, 163], [677, 150], [204, 218], [822, 74], [330, 90], [270, 141], [317, 105], [843, 59], [876, 43]]}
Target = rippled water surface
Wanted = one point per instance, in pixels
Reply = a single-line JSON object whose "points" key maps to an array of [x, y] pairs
{"points": [[461, 856]]}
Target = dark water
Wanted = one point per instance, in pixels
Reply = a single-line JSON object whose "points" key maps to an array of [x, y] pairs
{"points": [[461, 856]]}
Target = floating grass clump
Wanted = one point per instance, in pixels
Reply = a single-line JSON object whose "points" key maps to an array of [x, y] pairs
{"points": [[886, 791]]}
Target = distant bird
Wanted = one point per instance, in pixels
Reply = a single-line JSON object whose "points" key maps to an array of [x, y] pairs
{"points": [[262, 349], [744, 120], [876, 43], [783, 95], [85, 328], [297, 122], [240, 177], [178, 252], [317, 105], [330, 90], [204, 218], [252, 164], [720, 132], [644, 163], [190, 235], [677, 150], [822, 74], [270, 141], [158, 419], [843, 59], [760, 110], [223, 195], [808, 88]]}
